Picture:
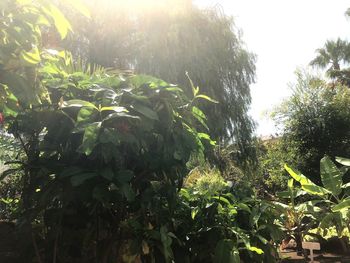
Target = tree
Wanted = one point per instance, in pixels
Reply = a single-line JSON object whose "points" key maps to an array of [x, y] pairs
{"points": [[316, 121], [332, 55], [167, 43]]}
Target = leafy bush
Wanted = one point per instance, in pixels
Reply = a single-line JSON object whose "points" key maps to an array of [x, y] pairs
{"points": [[217, 225], [330, 204], [315, 122]]}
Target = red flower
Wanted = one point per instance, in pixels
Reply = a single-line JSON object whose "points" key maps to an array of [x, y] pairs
{"points": [[2, 118]]}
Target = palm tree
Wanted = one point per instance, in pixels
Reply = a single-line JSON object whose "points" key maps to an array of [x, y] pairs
{"points": [[332, 55]]}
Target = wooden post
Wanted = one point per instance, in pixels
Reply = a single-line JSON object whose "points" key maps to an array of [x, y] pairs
{"points": [[311, 246]]}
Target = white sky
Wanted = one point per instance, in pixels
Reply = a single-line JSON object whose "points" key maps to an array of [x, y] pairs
{"points": [[284, 35]]}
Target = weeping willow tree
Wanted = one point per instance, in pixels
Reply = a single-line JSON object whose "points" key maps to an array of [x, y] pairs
{"points": [[168, 38]]}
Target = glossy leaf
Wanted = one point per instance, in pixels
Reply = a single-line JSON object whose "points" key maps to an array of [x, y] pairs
{"points": [[306, 184], [146, 111], [61, 23], [90, 138], [344, 204], [343, 161], [78, 103], [331, 176]]}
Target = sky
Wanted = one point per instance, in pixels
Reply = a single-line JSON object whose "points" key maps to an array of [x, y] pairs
{"points": [[284, 35]]}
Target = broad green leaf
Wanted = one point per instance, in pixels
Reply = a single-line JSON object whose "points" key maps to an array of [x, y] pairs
{"points": [[31, 57], [114, 108], [222, 199], [243, 207], [329, 220], [200, 116], [205, 97], [331, 176], [146, 111], [256, 250], [166, 242], [206, 136], [20, 87], [345, 186], [90, 138], [61, 23], [226, 252], [78, 103], [284, 194], [79, 179], [344, 204], [343, 161], [84, 114], [306, 184], [194, 212]]}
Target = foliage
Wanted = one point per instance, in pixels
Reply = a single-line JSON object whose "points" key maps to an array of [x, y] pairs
{"points": [[332, 200], [167, 43], [271, 176], [10, 189], [111, 150], [332, 55], [315, 121], [22, 24], [219, 226]]}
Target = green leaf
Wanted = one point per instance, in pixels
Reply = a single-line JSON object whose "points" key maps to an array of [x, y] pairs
{"points": [[31, 57], [114, 108], [146, 111], [84, 114], [222, 199], [194, 212], [256, 250], [226, 252], [166, 242], [79, 179], [331, 176], [90, 138], [61, 23], [343, 161], [200, 116], [205, 97], [78, 103], [206, 136], [306, 184], [20, 87], [344, 204]]}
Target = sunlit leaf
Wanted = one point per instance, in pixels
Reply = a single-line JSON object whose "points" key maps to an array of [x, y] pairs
{"points": [[306, 184], [31, 57], [61, 23], [331, 176], [205, 97], [90, 138], [146, 111]]}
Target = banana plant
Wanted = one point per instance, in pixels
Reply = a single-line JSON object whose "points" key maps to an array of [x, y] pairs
{"points": [[297, 217], [332, 198]]}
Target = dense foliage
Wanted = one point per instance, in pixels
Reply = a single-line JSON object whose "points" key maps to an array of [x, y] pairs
{"points": [[315, 121], [167, 43]]}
